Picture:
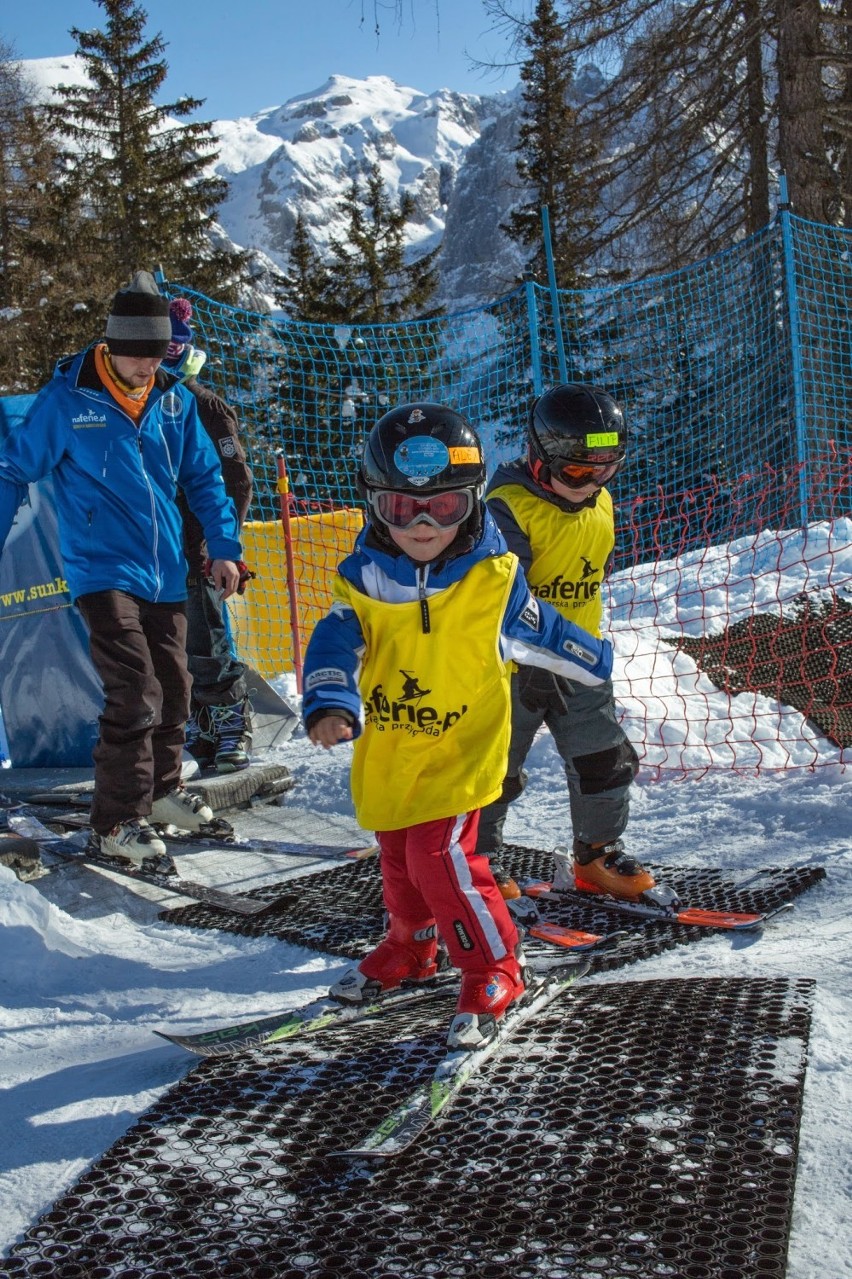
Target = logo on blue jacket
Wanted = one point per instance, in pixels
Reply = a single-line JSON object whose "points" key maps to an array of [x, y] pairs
{"points": [[172, 406], [92, 417]]}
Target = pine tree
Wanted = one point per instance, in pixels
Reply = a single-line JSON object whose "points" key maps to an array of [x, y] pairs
{"points": [[688, 125], [145, 180], [302, 290], [346, 374], [45, 287], [811, 118], [371, 282], [710, 99], [553, 157]]}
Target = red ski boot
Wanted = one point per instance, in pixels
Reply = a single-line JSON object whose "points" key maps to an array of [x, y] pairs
{"points": [[408, 953], [485, 995]]}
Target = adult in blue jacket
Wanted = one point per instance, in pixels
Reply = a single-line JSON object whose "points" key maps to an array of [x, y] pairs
{"points": [[120, 436]]}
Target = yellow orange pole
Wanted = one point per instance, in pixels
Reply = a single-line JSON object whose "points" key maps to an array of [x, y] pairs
{"points": [[285, 498]]}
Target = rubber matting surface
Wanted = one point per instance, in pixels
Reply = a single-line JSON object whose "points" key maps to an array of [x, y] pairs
{"points": [[339, 911], [631, 1131]]}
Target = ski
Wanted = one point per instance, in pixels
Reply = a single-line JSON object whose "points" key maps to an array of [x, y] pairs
{"points": [[398, 1130], [225, 1041], [223, 839], [735, 920], [51, 798], [574, 938], [74, 848], [284, 847]]}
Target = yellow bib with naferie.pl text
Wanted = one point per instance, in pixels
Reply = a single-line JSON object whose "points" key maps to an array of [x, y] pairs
{"points": [[436, 705], [570, 551]]}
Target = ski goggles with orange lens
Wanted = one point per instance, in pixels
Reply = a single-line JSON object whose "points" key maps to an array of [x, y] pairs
{"points": [[577, 475], [403, 510]]}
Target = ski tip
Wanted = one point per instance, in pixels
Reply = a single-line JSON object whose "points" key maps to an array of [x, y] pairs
{"points": [[359, 854], [225, 1048], [735, 921], [179, 1041], [273, 907], [535, 887]]}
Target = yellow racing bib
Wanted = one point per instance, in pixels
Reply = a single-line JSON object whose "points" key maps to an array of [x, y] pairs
{"points": [[570, 551], [436, 705]]}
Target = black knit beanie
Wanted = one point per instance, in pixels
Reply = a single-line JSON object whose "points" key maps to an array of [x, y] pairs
{"points": [[138, 323]]}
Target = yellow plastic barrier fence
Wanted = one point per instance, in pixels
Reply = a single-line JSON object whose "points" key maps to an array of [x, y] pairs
{"points": [[261, 619]]}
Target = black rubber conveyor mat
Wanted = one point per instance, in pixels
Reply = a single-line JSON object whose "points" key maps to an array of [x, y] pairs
{"points": [[339, 911], [634, 1129]]}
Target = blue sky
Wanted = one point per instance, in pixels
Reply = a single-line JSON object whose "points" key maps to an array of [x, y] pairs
{"points": [[244, 55]]}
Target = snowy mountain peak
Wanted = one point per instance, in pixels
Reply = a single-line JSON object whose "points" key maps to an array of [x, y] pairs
{"points": [[301, 157], [44, 74]]}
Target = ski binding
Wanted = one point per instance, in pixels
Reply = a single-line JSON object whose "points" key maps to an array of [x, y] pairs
{"points": [[398, 1130]]}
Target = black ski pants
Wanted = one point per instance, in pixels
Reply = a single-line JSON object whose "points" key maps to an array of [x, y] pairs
{"points": [[139, 651], [600, 762], [218, 677]]}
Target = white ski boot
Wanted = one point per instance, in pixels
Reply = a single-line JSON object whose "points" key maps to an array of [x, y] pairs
{"points": [[182, 809], [133, 841]]}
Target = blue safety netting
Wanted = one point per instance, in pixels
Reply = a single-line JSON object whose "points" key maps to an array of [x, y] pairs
{"points": [[734, 377]]}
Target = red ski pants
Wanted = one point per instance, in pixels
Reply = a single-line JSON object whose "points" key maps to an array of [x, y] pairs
{"points": [[432, 872]]}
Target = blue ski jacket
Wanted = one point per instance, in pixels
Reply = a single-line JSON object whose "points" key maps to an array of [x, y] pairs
{"points": [[531, 631], [116, 482]]}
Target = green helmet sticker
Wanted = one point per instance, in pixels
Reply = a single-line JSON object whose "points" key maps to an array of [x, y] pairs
{"points": [[602, 440]]}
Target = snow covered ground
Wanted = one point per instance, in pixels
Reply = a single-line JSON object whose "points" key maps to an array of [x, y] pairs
{"points": [[81, 996], [87, 972]]}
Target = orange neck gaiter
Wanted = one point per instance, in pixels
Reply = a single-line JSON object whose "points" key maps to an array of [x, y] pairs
{"points": [[133, 401]]}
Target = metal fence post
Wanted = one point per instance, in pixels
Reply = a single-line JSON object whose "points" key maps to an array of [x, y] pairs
{"points": [[532, 325], [790, 293], [554, 294]]}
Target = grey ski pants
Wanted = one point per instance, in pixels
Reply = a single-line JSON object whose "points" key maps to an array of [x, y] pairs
{"points": [[600, 763]]}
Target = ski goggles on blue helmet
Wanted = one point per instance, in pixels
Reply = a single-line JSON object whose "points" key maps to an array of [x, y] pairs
{"points": [[442, 510]]}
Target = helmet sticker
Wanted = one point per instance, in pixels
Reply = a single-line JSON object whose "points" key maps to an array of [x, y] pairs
{"points": [[602, 440], [464, 455], [417, 415], [422, 458]]}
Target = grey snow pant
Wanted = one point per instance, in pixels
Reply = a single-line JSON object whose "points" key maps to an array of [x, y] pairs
{"points": [[600, 763]]}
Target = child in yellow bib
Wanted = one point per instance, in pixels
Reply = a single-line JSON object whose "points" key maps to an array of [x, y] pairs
{"points": [[413, 663], [556, 515]]}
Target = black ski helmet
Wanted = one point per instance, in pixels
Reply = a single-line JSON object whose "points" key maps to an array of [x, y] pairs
{"points": [[578, 423], [424, 448]]}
